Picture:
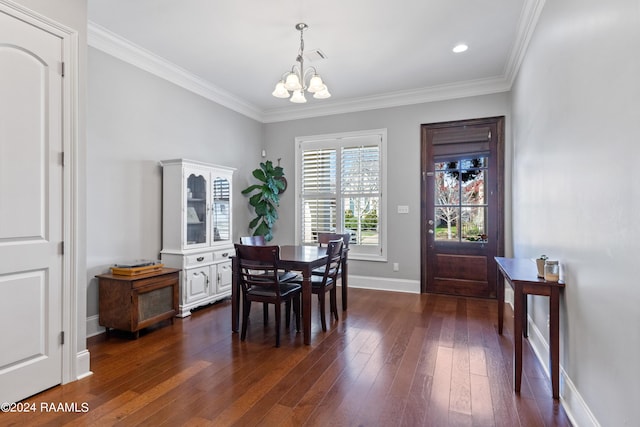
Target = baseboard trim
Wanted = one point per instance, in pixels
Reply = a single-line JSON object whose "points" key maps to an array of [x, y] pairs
{"points": [[384, 284], [574, 405], [572, 401], [83, 359], [93, 326]]}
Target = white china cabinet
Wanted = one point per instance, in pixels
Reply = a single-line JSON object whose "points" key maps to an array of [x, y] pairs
{"points": [[197, 229]]}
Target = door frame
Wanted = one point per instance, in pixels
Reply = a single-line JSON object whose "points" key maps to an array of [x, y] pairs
{"points": [[426, 172], [75, 357]]}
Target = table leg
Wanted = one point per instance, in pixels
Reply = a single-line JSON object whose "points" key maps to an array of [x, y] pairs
{"points": [[235, 295], [306, 305], [525, 312], [344, 283], [554, 334], [500, 292], [518, 300]]}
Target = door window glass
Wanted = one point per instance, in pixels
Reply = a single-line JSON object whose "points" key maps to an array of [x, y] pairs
{"points": [[460, 200]]}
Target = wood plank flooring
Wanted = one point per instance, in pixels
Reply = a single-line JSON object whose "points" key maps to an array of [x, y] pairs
{"points": [[393, 359]]}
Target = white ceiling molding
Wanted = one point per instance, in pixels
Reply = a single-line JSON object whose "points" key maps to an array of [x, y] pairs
{"points": [[526, 25], [392, 99], [114, 45]]}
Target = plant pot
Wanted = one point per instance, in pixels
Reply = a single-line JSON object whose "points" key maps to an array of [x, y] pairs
{"points": [[540, 265]]}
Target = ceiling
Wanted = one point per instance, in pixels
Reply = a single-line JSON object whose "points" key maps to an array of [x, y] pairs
{"points": [[379, 53]]}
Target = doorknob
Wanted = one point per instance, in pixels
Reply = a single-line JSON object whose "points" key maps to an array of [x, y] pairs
{"points": [[430, 222], [430, 231]]}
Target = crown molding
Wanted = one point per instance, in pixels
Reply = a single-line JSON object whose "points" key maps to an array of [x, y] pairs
{"points": [[102, 39], [526, 25], [392, 99]]}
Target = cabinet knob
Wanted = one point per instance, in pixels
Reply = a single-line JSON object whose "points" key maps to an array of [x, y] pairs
{"points": [[225, 255], [200, 259]]}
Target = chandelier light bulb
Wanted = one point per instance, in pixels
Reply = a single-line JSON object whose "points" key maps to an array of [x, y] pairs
{"points": [[323, 94], [293, 82], [298, 97], [315, 84], [280, 91]]}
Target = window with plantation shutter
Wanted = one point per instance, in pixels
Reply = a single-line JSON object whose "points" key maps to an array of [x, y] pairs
{"points": [[340, 190]]}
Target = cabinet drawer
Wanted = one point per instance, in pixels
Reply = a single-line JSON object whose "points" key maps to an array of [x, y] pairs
{"points": [[198, 259], [223, 254]]}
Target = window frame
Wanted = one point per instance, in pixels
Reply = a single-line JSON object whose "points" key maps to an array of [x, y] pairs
{"points": [[339, 140]]}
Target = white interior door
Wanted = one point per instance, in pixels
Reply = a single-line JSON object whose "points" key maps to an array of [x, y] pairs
{"points": [[31, 209]]}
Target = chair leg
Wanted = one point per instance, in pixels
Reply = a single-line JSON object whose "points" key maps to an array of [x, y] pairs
{"points": [[333, 304], [296, 311], [278, 308], [246, 307], [265, 313], [287, 314], [323, 319]]}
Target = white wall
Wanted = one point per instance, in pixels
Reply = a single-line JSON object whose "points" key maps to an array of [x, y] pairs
{"points": [[135, 120], [403, 170], [576, 193]]}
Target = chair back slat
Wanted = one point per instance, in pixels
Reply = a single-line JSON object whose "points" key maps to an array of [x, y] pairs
{"points": [[253, 240], [325, 238]]}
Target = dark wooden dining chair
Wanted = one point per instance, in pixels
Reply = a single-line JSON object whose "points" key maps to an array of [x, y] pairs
{"points": [[327, 282], [282, 275], [324, 239], [259, 281]]}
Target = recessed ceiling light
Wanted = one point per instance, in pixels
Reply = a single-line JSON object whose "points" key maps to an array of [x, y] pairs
{"points": [[460, 48]]}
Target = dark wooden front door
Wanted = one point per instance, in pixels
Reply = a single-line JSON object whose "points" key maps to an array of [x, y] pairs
{"points": [[462, 206]]}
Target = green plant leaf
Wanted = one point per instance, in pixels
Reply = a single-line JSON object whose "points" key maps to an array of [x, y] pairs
{"points": [[273, 186], [262, 230], [254, 222], [261, 208], [251, 188], [259, 175], [255, 199]]}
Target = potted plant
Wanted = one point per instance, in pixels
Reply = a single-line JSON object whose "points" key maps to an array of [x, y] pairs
{"points": [[266, 198], [540, 264]]}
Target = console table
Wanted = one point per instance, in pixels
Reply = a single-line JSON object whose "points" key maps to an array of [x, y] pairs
{"points": [[522, 275]]}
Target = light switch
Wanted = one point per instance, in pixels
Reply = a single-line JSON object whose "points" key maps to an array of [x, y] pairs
{"points": [[403, 209]]}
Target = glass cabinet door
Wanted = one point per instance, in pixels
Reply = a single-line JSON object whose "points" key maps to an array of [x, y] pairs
{"points": [[196, 209], [221, 215]]}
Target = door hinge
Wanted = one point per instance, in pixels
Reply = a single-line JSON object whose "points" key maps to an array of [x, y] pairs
{"points": [[61, 337], [62, 248], [62, 158], [62, 70]]}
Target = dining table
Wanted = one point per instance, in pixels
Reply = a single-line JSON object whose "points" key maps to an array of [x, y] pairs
{"points": [[298, 258]]}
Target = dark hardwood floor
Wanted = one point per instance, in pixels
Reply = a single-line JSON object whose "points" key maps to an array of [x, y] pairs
{"points": [[393, 359]]}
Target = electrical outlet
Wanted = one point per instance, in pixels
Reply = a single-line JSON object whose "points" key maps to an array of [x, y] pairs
{"points": [[396, 266]]}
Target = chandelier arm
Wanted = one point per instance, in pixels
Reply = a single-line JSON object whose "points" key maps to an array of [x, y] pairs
{"points": [[310, 70]]}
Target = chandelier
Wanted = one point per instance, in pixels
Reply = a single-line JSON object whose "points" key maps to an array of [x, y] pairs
{"points": [[293, 83]]}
